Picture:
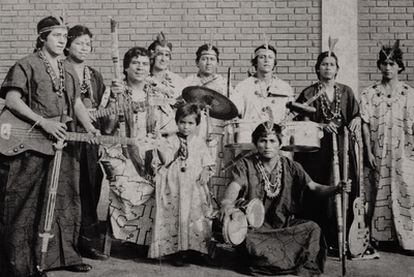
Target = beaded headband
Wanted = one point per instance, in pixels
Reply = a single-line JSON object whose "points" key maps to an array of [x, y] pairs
{"points": [[266, 47], [61, 24], [210, 45]]}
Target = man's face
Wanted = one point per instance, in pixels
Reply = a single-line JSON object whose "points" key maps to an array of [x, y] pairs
{"points": [[389, 69], [207, 64], [266, 60], [328, 69], [162, 57], [138, 69], [268, 146], [56, 41]]}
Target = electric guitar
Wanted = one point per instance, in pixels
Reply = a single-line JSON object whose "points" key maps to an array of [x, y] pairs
{"points": [[358, 237], [17, 136]]}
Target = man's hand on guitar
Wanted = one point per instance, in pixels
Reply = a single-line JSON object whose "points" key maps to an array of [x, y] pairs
{"points": [[54, 128], [94, 133], [117, 87]]}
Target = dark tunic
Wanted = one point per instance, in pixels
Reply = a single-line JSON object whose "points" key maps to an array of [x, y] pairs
{"points": [[284, 244], [319, 164], [91, 174], [24, 189]]}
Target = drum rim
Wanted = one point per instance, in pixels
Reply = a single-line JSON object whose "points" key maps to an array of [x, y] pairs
{"points": [[227, 238], [248, 211]]}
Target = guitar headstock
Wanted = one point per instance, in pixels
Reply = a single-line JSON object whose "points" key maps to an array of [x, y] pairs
{"points": [[114, 25]]}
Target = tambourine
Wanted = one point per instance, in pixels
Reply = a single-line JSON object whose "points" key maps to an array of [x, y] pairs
{"points": [[232, 230], [255, 213]]}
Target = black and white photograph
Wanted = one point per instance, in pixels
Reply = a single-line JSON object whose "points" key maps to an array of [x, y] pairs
{"points": [[206, 138]]}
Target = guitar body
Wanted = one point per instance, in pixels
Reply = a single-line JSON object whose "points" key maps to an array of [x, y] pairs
{"points": [[15, 137], [358, 238]]}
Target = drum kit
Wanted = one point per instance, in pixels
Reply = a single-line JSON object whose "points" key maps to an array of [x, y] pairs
{"points": [[297, 136]]}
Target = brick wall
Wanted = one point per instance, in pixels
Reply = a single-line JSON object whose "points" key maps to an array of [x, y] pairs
{"points": [[383, 21], [237, 26]]}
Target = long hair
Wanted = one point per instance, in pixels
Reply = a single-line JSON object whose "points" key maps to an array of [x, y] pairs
{"points": [[44, 23], [270, 47], [73, 33], [319, 61]]}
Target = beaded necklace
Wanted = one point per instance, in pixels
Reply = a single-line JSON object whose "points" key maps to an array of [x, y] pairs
{"points": [[272, 190], [86, 86], [261, 92], [58, 85], [390, 99], [326, 107]]}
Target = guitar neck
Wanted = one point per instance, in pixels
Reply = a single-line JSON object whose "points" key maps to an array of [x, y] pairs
{"points": [[119, 109], [84, 137]]}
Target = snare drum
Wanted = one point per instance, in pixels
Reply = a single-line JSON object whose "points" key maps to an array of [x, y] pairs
{"points": [[240, 134], [301, 136], [232, 230]]}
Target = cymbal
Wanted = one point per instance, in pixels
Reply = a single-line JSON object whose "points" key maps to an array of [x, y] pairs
{"points": [[220, 106]]}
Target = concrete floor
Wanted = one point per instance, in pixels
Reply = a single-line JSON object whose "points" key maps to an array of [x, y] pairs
{"points": [[128, 265], [127, 261]]}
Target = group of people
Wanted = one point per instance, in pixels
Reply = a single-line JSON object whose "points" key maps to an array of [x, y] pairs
{"points": [[160, 180]]}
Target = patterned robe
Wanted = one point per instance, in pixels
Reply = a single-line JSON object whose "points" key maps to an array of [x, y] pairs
{"points": [[390, 191], [183, 205], [24, 187], [217, 149], [129, 171], [284, 244]]}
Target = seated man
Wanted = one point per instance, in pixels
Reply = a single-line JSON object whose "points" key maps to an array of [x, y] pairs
{"points": [[284, 244]]}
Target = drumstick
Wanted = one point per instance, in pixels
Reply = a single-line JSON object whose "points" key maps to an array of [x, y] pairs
{"points": [[228, 81]]}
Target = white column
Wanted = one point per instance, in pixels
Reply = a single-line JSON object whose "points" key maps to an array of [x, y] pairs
{"points": [[340, 20]]}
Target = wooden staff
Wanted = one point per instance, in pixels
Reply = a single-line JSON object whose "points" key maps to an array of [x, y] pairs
{"points": [[338, 197], [51, 202]]}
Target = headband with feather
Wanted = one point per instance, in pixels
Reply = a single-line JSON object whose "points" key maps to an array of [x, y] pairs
{"points": [[395, 47], [331, 45]]}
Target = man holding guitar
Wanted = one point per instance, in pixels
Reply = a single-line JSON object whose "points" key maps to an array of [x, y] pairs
{"points": [[37, 88]]}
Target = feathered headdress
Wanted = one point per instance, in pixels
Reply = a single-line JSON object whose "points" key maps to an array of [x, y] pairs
{"points": [[391, 49], [331, 45]]}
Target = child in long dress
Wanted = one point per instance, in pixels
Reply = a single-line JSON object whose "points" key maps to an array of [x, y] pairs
{"points": [[183, 203]]}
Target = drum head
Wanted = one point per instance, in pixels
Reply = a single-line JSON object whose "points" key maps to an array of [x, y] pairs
{"points": [[235, 227], [255, 213]]}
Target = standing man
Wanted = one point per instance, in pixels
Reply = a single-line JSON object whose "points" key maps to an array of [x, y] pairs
{"points": [[38, 89], [261, 91], [387, 112]]}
